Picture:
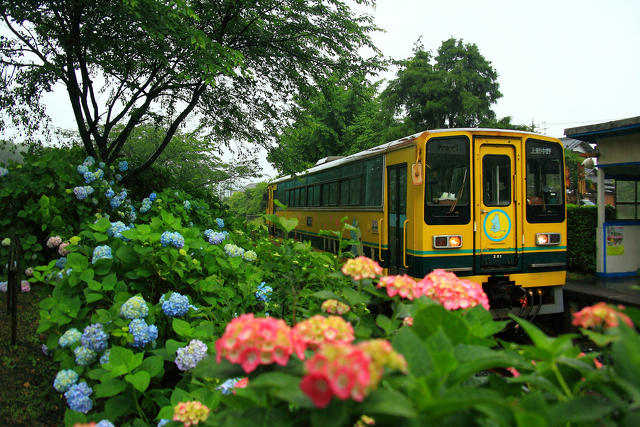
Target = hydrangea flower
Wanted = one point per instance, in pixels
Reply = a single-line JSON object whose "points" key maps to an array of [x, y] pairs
{"points": [[134, 308], [361, 268], [333, 306], [251, 341], [89, 161], [62, 249], [450, 291], [115, 202], [28, 272], [220, 223], [69, 338], [94, 337], [215, 237], [230, 385], [3, 286], [153, 197], [101, 252], [101, 165], [3, 171], [250, 256], [189, 356], [61, 262], [6, 242], [25, 286], [172, 238], [233, 250], [89, 177], [82, 192], [109, 193], [116, 230], [105, 357], [78, 397], [264, 292], [98, 174], [319, 330], [84, 355], [187, 205], [65, 379], [104, 423], [142, 333], [146, 205], [123, 166], [82, 169], [402, 285], [163, 422], [176, 305], [45, 349], [118, 177], [600, 315], [53, 242], [190, 413]]}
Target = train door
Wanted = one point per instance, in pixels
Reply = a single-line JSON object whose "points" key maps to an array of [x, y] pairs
{"points": [[496, 206], [397, 219]]}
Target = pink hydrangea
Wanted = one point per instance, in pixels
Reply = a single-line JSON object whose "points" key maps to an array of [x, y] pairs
{"points": [[452, 292], [403, 285], [54, 242], [600, 315], [317, 330], [333, 306], [361, 268], [251, 341], [190, 413], [62, 249], [25, 286]]}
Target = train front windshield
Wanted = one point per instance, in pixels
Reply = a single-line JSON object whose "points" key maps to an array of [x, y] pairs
{"points": [[545, 189]]}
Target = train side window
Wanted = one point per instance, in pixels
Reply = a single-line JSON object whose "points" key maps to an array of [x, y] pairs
{"points": [[303, 196], [334, 193], [325, 195], [344, 192], [447, 181], [316, 195], [545, 181], [355, 189]]}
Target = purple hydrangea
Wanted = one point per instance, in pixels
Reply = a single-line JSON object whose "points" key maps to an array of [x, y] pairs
{"points": [[94, 337], [78, 397], [82, 192], [189, 356]]}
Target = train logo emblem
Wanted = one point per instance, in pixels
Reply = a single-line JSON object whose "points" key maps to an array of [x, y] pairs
{"points": [[497, 225]]}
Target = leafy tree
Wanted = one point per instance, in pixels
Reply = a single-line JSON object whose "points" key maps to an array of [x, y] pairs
{"points": [[322, 123], [251, 201], [453, 89], [232, 65]]}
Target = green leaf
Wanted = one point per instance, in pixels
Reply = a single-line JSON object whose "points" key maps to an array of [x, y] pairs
{"points": [[118, 406], [103, 266], [388, 402], [582, 409], [626, 355], [109, 282], [109, 388], [86, 275], [182, 328], [154, 365], [172, 346], [430, 318], [415, 351], [140, 380], [77, 261], [386, 324], [354, 297], [74, 417], [324, 294], [92, 297], [127, 255]]}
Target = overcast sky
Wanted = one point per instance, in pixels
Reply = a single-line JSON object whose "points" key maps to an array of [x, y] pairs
{"points": [[560, 63]]}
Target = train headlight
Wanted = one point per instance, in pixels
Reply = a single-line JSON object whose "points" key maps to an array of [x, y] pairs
{"points": [[447, 241], [547, 239]]}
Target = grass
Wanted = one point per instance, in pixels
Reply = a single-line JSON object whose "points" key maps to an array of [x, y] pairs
{"points": [[27, 397]]}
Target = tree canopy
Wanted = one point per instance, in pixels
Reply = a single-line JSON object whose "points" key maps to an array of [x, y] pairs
{"points": [[233, 65]]}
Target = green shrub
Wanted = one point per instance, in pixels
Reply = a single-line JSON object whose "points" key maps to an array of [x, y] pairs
{"points": [[582, 223]]}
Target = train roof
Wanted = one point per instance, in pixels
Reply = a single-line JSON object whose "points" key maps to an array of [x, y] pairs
{"points": [[329, 162]]}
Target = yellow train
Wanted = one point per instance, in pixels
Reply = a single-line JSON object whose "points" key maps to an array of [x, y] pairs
{"points": [[487, 204]]}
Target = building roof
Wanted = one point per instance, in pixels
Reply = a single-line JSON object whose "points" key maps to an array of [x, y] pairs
{"points": [[592, 132], [577, 145]]}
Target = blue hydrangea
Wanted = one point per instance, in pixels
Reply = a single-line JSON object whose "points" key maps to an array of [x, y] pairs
{"points": [[89, 177], [105, 357], [153, 197], [109, 193], [189, 356], [146, 205], [216, 237], [220, 223], [115, 202], [78, 397], [123, 194], [116, 230], [233, 250], [163, 422], [228, 386], [84, 355], [61, 262], [89, 161], [3, 171], [132, 213], [69, 338], [65, 379], [134, 308], [264, 292], [118, 177], [94, 337], [101, 165], [142, 333], [250, 256], [176, 305], [104, 423], [82, 192], [82, 169], [101, 252], [123, 166], [98, 174], [172, 238]]}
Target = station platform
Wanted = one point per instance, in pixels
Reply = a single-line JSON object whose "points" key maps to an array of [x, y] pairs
{"points": [[584, 289]]}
